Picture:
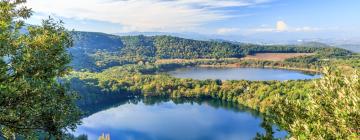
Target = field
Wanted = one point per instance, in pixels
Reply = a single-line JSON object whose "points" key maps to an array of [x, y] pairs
{"points": [[258, 56], [275, 56], [162, 61]]}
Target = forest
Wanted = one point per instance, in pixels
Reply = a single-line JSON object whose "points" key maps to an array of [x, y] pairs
{"points": [[282, 102], [98, 51]]}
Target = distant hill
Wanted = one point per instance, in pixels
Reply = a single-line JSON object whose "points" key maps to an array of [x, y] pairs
{"points": [[331, 42], [314, 44], [187, 35], [350, 47], [96, 51], [93, 41]]}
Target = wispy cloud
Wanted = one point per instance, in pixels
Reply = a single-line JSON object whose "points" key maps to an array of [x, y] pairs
{"points": [[280, 26], [225, 31], [143, 15]]}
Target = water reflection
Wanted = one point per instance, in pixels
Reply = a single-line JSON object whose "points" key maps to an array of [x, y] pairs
{"points": [[162, 118]]}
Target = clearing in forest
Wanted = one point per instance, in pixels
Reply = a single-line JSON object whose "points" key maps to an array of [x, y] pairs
{"points": [[275, 56]]}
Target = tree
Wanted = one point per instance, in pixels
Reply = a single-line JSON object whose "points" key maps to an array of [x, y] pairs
{"points": [[329, 112], [32, 98]]}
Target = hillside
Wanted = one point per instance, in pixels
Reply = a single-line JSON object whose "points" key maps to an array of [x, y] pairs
{"points": [[98, 51]]}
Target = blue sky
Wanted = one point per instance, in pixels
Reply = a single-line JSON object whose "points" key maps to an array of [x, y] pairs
{"points": [[289, 19]]}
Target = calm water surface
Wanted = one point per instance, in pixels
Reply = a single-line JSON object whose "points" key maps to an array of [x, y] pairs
{"points": [[169, 120], [254, 74]]}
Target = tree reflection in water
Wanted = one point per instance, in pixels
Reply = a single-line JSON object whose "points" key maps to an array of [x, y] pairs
{"points": [[106, 101]]}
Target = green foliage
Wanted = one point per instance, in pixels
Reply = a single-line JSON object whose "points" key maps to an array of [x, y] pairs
{"points": [[253, 49], [86, 48], [330, 111], [141, 79], [174, 47], [97, 51], [31, 98], [326, 110], [138, 48], [104, 137], [93, 42]]}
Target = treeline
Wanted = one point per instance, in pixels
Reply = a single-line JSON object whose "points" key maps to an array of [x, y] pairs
{"points": [[139, 79], [169, 47], [98, 51], [329, 111]]}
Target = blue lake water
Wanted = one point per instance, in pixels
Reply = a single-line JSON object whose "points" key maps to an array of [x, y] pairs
{"points": [[253, 74], [169, 120]]}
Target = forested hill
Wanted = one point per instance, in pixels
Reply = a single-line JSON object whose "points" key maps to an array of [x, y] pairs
{"points": [[96, 51], [96, 41]]}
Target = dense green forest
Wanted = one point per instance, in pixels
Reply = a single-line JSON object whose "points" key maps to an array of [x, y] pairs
{"points": [[98, 51]]}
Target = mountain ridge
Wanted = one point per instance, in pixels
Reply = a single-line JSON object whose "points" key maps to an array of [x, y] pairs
{"points": [[96, 51]]}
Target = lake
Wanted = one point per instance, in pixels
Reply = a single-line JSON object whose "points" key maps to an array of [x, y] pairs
{"points": [[154, 119], [253, 74]]}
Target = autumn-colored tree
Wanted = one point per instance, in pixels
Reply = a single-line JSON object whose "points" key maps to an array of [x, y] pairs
{"points": [[104, 137]]}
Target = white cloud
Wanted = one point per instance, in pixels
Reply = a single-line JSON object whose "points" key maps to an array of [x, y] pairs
{"points": [[282, 26], [306, 29], [143, 15]]}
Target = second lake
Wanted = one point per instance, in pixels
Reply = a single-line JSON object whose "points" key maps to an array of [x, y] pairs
{"points": [[253, 74]]}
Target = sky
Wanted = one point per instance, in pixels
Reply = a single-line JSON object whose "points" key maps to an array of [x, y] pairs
{"points": [[235, 19]]}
